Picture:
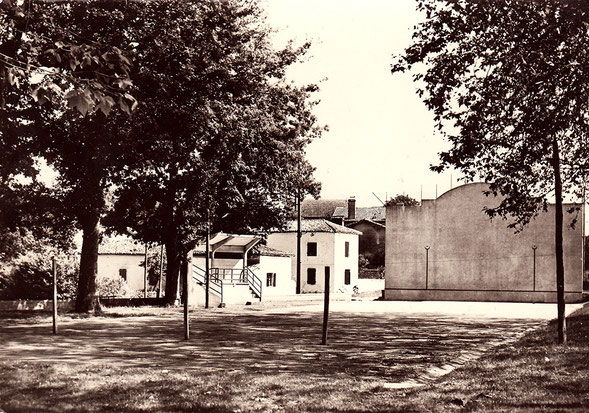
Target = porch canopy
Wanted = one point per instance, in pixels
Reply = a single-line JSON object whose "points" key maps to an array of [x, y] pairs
{"points": [[229, 243]]}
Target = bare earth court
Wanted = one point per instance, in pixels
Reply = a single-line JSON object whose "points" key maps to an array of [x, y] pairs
{"points": [[387, 344]]}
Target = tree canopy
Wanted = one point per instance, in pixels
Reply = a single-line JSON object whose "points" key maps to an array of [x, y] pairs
{"points": [[219, 136], [402, 199], [506, 81]]}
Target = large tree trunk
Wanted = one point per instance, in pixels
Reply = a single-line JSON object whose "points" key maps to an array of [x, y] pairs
{"points": [[172, 270], [86, 300], [562, 332]]}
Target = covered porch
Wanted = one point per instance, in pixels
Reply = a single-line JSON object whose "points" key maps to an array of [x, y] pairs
{"points": [[227, 263]]}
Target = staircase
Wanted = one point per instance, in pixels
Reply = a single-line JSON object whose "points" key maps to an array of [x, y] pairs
{"points": [[229, 284], [199, 276]]}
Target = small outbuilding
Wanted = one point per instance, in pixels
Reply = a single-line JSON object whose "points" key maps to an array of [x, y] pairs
{"points": [[122, 258]]}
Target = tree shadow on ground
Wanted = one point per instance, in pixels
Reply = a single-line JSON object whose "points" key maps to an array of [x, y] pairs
{"points": [[389, 347]]}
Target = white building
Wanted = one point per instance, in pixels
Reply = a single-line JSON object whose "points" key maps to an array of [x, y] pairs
{"points": [[325, 248], [241, 270], [122, 258]]}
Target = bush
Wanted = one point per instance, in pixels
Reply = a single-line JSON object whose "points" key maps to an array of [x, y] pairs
{"points": [[31, 276], [112, 287]]}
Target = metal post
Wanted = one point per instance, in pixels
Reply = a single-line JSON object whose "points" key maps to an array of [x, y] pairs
{"points": [[534, 247], [207, 267], [145, 274], [54, 266], [298, 203], [427, 247], [325, 306]]}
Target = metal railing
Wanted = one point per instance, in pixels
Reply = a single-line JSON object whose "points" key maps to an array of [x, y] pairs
{"points": [[200, 277], [219, 276], [254, 283], [229, 275]]}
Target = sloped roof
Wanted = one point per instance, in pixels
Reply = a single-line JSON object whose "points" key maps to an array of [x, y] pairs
{"points": [[369, 221], [121, 246], [377, 213], [271, 252], [319, 225], [223, 242], [321, 208]]}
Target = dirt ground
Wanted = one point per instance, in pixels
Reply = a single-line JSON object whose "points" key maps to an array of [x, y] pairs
{"points": [[390, 343]]}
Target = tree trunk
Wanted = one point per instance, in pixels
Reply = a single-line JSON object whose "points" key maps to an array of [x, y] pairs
{"points": [[86, 300], [172, 270], [562, 333]]}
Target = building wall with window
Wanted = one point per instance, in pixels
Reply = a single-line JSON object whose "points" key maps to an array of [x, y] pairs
{"points": [[449, 249], [321, 250], [115, 265], [345, 272], [275, 273]]}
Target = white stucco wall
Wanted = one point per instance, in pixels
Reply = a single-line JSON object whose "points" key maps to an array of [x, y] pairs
{"points": [[342, 263], [330, 253], [282, 267], [110, 264]]}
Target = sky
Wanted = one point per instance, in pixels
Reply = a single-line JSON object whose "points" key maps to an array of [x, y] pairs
{"points": [[381, 138]]}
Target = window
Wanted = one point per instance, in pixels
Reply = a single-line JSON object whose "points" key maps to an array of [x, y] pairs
{"points": [[311, 249], [123, 273], [347, 249], [271, 279], [347, 277], [311, 276]]}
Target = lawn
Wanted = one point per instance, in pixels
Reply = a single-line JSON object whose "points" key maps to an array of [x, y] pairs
{"points": [[255, 360]]}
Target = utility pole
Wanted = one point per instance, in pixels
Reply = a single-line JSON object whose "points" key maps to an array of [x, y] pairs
{"points": [[207, 269], [298, 204]]}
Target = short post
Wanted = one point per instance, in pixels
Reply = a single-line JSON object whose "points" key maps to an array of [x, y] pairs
{"points": [[145, 274], [54, 267], [159, 291], [325, 306], [188, 274]]}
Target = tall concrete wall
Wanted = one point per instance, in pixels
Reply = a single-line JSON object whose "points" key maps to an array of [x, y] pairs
{"points": [[471, 257]]}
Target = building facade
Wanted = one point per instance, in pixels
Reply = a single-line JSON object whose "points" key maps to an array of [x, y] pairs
{"points": [[325, 248]]}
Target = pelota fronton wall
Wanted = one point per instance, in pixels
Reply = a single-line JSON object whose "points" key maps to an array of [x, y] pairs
{"points": [[470, 257]]}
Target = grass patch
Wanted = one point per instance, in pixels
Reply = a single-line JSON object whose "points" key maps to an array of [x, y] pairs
{"points": [[531, 374]]}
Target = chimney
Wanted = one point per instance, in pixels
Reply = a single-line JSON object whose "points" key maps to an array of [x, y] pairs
{"points": [[352, 208]]}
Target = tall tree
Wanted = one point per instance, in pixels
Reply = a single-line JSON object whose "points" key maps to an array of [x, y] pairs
{"points": [[220, 135], [506, 80], [48, 67]]}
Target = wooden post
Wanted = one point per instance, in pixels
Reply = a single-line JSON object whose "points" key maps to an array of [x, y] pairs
{"points": [[54, 295], [325, 306], [187, 276], [145, 274], [159, 292]]}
